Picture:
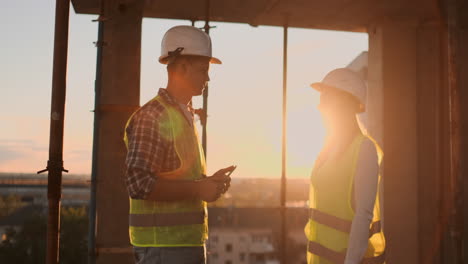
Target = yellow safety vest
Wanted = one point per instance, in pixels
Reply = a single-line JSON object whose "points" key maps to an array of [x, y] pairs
{"points": [[173, 224], [332, 210]]}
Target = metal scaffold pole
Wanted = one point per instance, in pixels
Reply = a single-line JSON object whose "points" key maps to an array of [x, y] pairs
{"points": [[97, 117], [284, 148], [57, 116], [204, 116]]}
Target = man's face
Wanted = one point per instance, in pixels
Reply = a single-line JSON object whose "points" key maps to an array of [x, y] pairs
{"points": [[197, 75]]}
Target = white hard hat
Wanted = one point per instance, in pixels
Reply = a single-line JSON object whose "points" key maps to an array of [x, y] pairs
{"points": [[345, 80], [186, 40]]}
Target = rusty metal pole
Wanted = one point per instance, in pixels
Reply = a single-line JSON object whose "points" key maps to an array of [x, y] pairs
{"points": [[456, 178], [283, 149], [57, 116]]}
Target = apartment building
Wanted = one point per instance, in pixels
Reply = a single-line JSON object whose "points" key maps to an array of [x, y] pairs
{"points": [[249, 246], [251, 236]]}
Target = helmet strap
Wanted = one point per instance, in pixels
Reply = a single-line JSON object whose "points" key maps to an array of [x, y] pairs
{"points": [[176, 52]]}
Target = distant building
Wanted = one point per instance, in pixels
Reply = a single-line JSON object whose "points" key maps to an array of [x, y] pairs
{"points": [[251, 235], [32, 188], [239, 245], [18, 218]]}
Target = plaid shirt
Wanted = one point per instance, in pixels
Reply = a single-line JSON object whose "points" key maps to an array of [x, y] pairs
{"points": [[148, 152]]}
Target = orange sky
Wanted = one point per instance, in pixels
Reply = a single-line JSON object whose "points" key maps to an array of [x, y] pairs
{"points": [[245, 92]]}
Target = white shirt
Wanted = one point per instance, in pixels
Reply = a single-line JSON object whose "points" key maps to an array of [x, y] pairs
{"points": [[365, 192]]}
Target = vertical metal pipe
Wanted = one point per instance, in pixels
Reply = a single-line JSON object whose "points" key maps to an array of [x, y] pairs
{"points": [[205, 120], [456, 180], [284, 148], [55, 163], [97, 115], [205, 92]]}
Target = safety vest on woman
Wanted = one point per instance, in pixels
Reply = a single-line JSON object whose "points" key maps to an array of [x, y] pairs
{"points": [[180, 223], [332, 210]]}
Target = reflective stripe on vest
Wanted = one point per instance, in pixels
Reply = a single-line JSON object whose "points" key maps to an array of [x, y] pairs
{"points": [[339, 257], [338, 223], [167, 219]]}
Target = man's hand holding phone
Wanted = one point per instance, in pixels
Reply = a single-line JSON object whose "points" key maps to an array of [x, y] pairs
{"points": [[210, 188], [223, 177]]}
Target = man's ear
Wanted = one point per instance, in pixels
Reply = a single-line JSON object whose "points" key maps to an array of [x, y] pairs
{"points": [[183, 67]]}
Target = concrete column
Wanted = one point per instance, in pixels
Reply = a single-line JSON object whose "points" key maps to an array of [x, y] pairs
{"points": [[432, 140], [120, 96], [393, 81], [408, 97]]}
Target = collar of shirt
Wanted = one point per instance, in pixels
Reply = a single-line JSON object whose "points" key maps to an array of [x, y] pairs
{"points": [[166, 96], [169, 99]]}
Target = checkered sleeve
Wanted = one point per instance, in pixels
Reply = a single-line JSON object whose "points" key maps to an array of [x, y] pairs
{"points": [[146, 151]]}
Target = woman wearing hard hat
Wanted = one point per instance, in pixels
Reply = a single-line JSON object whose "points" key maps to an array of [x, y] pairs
{"points": [[344, 223]]}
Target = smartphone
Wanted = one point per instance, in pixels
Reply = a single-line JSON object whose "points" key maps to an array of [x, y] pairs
{"points": [[229, 173]]}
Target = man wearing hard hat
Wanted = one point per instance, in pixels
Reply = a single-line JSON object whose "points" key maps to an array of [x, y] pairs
{"points": [[165, 165], [344, 223]]}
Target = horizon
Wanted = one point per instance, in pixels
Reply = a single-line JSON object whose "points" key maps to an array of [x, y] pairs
{"points": [[87, 177]]}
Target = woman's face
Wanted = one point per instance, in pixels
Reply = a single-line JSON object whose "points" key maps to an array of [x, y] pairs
{"points": [[336, 106]]}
